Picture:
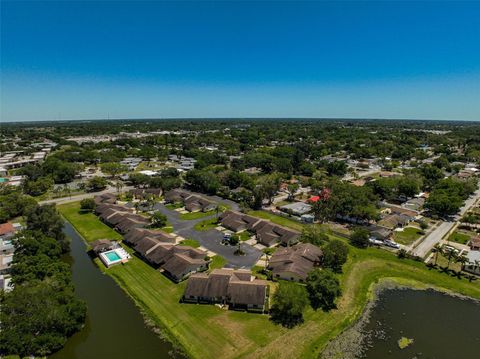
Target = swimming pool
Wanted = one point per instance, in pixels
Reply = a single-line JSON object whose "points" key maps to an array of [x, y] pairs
{"points": [[114, 256]]}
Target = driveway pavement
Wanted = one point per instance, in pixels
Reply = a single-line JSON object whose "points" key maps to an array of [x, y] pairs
{"points": [[211, 239]]}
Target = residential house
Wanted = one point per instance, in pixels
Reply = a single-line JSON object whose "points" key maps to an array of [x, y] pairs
{"points": [[184, 261], [236, 288], [192, 202], [474, 243], [7, 230], [266, 233], [296, 208], [473, 262], [108, 198], [294, 263], [136, 234], [395, 220], [380, 233], [101, 245]]}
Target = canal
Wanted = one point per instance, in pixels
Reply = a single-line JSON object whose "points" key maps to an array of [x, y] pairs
{"points": [[441, 326], [114, 326]]}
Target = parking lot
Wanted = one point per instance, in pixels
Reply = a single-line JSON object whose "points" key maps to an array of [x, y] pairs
{"points": [[211, 239]]}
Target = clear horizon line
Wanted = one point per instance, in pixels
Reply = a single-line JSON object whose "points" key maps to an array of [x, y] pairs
{"points": [[200, 118]]}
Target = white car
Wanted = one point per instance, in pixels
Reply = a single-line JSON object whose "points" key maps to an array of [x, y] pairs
{"points": [[375, 241], [391, 244]]}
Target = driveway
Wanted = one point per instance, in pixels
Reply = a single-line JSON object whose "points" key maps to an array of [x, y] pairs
{"points": [[211, 239]]}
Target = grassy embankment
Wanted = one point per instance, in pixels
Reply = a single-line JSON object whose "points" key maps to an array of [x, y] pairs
{"points": [[207, 331]]}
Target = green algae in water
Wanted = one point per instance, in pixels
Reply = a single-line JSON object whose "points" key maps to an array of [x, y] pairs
{"points": [[404, 342]]}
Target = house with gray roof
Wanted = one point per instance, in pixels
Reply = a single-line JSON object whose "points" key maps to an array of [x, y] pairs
{"points": [[294, 263], [236, 288]]}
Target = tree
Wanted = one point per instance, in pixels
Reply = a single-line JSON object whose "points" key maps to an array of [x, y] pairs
{"points": [[37, 318], [323, 288], [437, 249], [37, 187], [96, 184], [337, 168], [442, 203], [46, 220], [158, 219], [113, 168], [335, 254], [359, 238], [234, 240], [289, 302], [314, 234], [203, 181], [87, 204]]}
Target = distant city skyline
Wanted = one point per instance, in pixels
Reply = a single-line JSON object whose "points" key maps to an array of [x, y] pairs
{"points": [[99, 60]]}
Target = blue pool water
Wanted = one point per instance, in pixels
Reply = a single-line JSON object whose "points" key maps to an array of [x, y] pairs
{"points": [[112, 256]]}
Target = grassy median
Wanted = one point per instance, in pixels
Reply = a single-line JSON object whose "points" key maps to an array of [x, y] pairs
{"points": [[206, 331]]}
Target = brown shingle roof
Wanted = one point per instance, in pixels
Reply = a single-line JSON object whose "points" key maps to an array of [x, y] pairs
{"points": [[299, 259], [237, 287], [101, 244]]}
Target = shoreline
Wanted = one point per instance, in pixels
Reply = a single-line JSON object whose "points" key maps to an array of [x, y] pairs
{"points": [[365, 275], [179, 351], [353, 342]]}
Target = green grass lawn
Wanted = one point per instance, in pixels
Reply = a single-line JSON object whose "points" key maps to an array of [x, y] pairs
{"points": [[206, 331], [459, 237], [408, 235], [87, 224], [217, 262], [190, 243], [278, 219], [206, 225], [173, 206], [196, 215], [244, 236]]}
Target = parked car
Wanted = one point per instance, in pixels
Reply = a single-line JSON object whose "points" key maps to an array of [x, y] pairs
{"points": [[391, 244], [375, 241]]}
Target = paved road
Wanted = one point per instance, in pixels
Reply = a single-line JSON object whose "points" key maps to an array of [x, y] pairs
{"points": [[79, 197], [211, 239], [436, 235]]}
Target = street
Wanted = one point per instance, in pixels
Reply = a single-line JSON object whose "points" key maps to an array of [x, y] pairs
{"points": [[436, 235]]}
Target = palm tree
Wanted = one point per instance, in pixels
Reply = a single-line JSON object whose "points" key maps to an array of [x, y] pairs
{"points": [[452, 256], [437, 249], [462, 260], [119, 186]]}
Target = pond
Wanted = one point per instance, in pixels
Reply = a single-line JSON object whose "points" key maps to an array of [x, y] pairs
{"points": [[114, 327], [441, 326]]}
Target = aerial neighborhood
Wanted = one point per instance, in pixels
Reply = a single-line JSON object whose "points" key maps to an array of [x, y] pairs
{"points": [[265, 220]]}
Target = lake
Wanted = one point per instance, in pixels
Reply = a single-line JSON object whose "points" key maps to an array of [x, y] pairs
{"points": [[442, 326], [114, 327]]}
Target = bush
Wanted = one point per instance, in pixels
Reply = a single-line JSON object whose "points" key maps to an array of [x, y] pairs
{"points": [[87, 204], [359, 238], [159, 220]]}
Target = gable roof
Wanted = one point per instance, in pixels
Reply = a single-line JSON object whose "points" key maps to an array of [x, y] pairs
{"points": [[267, 232], [6, 228], [299, 259], [234, 286]]}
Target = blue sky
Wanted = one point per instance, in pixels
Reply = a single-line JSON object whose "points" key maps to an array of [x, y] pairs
{"points": [[78, 60]]}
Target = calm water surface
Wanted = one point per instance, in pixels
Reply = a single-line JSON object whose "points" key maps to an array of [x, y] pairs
{"points": [[442, 326], [114, 327]]}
